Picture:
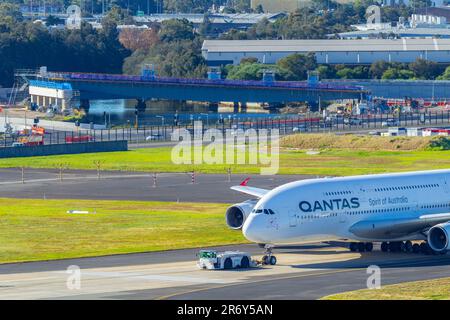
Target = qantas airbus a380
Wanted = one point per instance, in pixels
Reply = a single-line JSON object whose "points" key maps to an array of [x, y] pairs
{"points": [[393, 209]]}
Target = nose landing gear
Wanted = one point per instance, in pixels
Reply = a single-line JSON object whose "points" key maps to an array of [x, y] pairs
{"points": [[268, 258]]}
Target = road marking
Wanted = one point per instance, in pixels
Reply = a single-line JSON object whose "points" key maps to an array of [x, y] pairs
{"points": [[139, 276], [385, 265], [257, 281]]}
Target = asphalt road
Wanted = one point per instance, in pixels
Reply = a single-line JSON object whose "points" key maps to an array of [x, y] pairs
{"points": [[303, 272], [46, 183]]}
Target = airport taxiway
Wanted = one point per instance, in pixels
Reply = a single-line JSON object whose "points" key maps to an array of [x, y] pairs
{"points": [[119, 185], [302, 272]]}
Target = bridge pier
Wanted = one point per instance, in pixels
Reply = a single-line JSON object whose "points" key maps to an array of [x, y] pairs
{"points": [[140, 105], [236, 107], [243, 107], [213, 107], [314, 105]]}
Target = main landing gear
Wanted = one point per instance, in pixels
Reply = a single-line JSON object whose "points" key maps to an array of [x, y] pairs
{"points": [[268, 258], [361, 246], [395, 246]]}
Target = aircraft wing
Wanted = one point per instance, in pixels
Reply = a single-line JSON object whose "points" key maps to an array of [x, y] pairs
{"points": [[394, 228], [256, 192]]}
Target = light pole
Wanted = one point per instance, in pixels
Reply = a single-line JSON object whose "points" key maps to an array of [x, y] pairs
{"points": [[162, 120]]}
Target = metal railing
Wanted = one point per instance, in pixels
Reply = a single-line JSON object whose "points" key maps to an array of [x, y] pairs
{"points": [[147, 134]]}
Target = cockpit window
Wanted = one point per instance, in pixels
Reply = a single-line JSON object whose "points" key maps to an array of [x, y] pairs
{"points": [[271, 211], [258, 211], [266, 211]]}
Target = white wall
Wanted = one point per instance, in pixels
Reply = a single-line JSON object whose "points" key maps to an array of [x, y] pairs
{"points": [[364, 57]]}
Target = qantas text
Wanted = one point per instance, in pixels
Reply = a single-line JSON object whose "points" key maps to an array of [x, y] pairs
{"points": [[325, 205]]}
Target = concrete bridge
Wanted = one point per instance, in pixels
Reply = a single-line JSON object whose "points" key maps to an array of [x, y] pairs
{"points": [[107, 86]]}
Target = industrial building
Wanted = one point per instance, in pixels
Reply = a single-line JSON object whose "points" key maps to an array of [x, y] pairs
{"points": [[359, 51], [395, 33], [220, 22]]}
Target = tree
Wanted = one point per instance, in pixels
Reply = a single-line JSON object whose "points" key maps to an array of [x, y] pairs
{"points": [[326, 72], [138, 39], [378, 68], [176, 29], [246, 71], [53, 21], [425, 69], [394, 73], [419, 4], [118, 16], [445, 75], [249, 60], [296, 66], [10, 14]]}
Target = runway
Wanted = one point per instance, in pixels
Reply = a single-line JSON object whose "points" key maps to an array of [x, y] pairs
{"points": [[118, 185], [302, 272]]}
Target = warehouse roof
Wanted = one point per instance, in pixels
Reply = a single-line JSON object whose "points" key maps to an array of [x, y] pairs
{"points": [[405, 32], [326, 45]]}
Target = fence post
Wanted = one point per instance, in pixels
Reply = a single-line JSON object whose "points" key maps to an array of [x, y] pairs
{"points": [[154, 180], [23, 175], [193, 177], [60, 172], [229, 174], [97, 164]]}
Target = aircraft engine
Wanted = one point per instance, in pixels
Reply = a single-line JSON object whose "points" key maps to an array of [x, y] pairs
{"points": [[439, 237], [237, 213]]}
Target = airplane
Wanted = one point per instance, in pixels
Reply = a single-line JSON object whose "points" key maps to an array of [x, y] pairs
{"points": [[394, 209]]}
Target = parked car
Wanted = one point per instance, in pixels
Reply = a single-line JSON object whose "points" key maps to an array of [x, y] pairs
{"points": [[17, 144], [155, 136], [390, 123], [353, 121], [300, 128]]}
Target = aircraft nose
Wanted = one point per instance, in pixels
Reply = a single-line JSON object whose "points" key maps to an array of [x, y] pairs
{"points": [[253, 229]]}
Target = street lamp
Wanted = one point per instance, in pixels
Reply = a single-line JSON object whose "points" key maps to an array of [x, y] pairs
{"points": [[162, 120]]}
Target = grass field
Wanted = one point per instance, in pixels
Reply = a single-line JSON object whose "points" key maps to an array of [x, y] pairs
{"points": [[438, 289], [328, 162], [42, 229]]}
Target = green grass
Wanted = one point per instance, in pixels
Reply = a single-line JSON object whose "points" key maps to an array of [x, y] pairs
{"points": [[438, 289], [328, 162], [42, 230]]}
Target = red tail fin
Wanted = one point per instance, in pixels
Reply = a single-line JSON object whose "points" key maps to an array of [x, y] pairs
{"points": [[244, 183]]}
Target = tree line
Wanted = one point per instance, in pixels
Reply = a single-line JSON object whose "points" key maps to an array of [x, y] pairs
{"points": [[31, 45], [296, 66]]}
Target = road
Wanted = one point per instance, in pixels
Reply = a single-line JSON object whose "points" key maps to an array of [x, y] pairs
{"points": [[302, 272]]}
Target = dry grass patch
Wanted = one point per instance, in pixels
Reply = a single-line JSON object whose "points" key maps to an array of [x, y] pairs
{"points": [[332, 141]]}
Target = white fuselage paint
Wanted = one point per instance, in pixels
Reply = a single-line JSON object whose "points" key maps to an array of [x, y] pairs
{"points": [[325, 209]]}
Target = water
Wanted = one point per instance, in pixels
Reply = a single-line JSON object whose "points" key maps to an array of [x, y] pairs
{"points": [[119, 112]]}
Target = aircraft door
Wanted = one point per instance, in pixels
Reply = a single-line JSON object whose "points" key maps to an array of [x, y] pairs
{"points": [[292, 218]]}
